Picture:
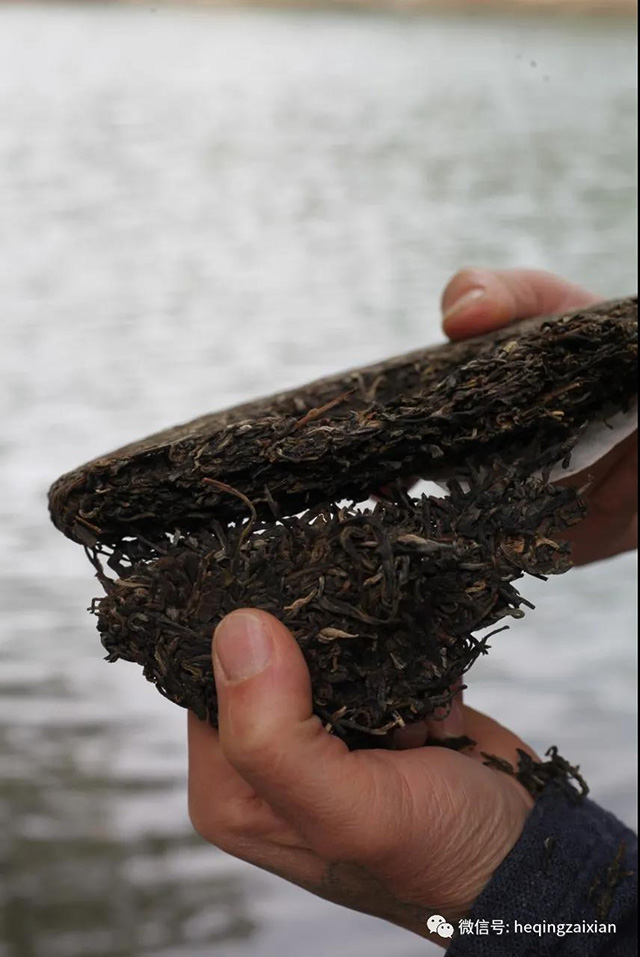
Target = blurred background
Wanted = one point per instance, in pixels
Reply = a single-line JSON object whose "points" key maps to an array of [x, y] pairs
{"points": [[199, 205]]}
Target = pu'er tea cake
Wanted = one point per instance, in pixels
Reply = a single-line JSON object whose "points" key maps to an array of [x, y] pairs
{"points": [[245, 508]]}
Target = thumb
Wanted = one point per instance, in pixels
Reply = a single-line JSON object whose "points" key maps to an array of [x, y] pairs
{"points": [[477, 301], [269, 734]]}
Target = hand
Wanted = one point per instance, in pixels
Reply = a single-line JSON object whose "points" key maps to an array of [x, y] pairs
{"points": [[396, 834], [478, 301]]}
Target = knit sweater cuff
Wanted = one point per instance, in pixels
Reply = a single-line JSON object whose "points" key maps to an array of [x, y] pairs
{"points": [[567, 889]]}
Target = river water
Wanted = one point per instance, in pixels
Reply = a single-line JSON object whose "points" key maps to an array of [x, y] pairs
{"points": [[199, 206]]}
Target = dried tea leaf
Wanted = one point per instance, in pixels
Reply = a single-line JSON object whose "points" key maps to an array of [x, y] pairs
{"points": [[384, 602]]}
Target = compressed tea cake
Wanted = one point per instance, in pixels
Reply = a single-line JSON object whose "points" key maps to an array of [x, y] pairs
{"points": [[242, 508]]}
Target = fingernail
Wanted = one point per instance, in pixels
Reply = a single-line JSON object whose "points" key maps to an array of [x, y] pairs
{"points": [[452, 724], [243, 646], [463, 303]]}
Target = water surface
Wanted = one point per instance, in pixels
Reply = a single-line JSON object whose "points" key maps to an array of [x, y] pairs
{"points": [[197, 207]]}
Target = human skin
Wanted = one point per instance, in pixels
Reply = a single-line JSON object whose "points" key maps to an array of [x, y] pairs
{"points": [[400, 834], [477, 301]]}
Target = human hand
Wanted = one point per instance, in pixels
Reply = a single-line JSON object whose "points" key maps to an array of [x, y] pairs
{"points": [[400, 835], [477, 301]]}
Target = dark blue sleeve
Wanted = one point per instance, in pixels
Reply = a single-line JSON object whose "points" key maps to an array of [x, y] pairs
{"points": [[575, 865]]}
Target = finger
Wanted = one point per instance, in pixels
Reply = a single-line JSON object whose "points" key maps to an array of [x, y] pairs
{"points": [[589, 545], [222, 805], [446, 723], [493, 738], [619, 465], [489, 737], [411, 736], [225, 809], [477, 301], [611, 524], [449, 722], [270, 735], [211, 777]]}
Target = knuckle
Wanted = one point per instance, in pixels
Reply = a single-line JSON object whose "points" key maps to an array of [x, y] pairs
{"points": [[200, 819], [238, 819], [222, 825], [253, 752]]}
